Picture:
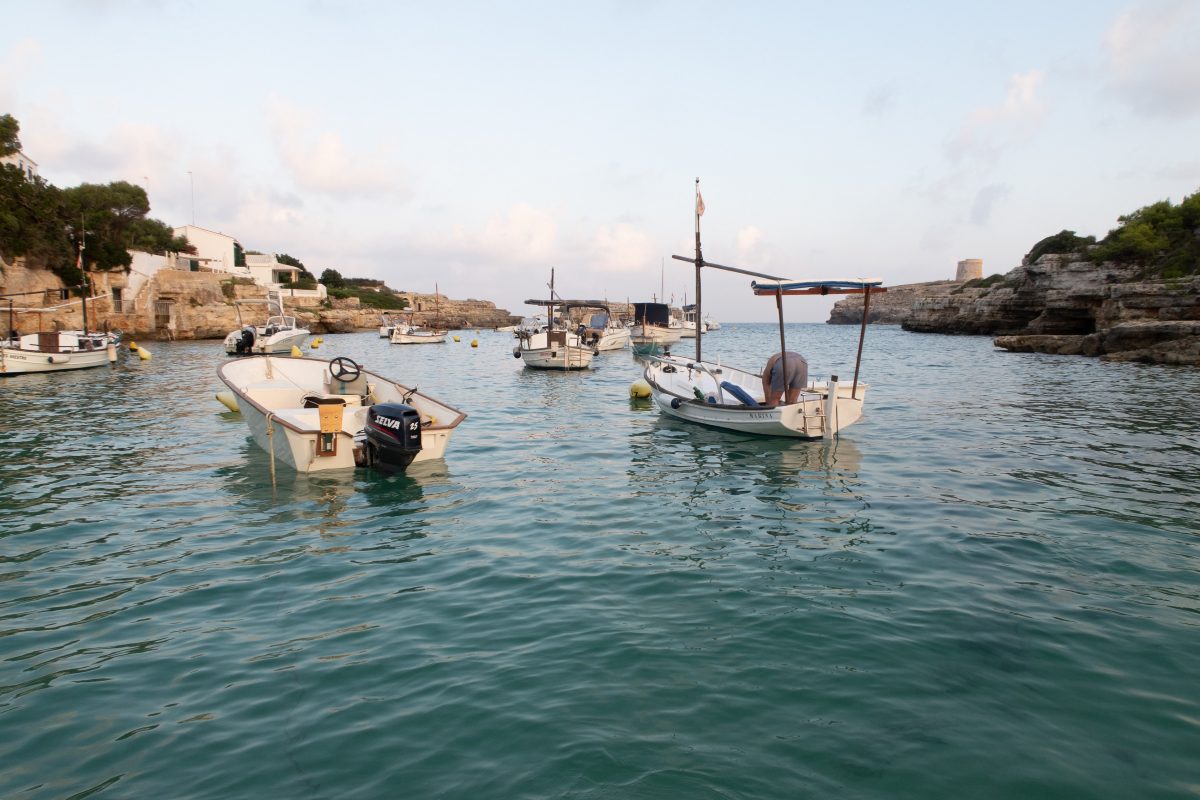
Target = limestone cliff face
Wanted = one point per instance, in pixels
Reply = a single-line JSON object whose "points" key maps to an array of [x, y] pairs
{"points": [[177, 304], [1060, 304]]}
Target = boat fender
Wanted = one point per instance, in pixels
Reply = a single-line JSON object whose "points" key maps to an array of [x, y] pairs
{"points": [[516, 352], [675, 402], [740, 393], [57, 359], [669, 368]]}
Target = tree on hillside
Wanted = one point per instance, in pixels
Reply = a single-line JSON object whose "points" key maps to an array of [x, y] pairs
{"points": [[333, 279], [10, 129], [284, 258], [1163, 237]]}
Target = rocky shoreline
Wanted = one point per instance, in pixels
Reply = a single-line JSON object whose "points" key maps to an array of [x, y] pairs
{"points": [[1059, 304], [178, 304]]}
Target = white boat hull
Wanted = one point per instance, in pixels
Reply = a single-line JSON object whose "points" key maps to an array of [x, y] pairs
{"points": [[430, 337], [17, 361], [819, 413], [563, 357], [278, 343], [55, 352], [270, 394]]}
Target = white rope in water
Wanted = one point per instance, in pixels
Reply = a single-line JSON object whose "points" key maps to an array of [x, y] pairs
{"points": [[271, 444]]}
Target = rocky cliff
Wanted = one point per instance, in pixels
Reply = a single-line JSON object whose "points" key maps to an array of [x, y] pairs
{"points": [[178, 304], [1058, 304]]}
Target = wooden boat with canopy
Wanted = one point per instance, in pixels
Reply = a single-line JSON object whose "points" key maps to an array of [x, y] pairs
{"points": [[717, 395]]}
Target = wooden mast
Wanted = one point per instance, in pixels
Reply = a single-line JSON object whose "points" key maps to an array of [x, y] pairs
{"points": [[699, 264]]}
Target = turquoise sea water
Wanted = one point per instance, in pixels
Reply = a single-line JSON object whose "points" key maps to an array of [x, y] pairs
{"points": [[987, 588]]}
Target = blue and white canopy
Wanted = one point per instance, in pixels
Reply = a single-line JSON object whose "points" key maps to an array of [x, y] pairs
{"points": [[772, 288]]}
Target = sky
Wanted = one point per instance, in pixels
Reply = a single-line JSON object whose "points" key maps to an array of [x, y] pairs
{"points": [[476, 146]]}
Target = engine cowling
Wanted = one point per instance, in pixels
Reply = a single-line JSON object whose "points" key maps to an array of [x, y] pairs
{"points": [[393, 436]]}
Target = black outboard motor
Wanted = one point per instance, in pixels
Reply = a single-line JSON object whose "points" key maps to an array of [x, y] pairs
{"points": [[246, 343], [393, 436]]}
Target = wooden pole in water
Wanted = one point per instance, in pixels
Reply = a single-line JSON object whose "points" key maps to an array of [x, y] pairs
{"points": [[862, 334]]}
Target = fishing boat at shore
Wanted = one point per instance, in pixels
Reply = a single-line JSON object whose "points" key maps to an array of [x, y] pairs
{"points": [[720, 396], [279, 334], [316, 415], [55, 351], [411, 333]]}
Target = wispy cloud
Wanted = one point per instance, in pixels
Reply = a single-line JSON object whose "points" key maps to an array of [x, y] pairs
{"points": [[621, 247], [989, 130], [1154, 59], [986, 200]]}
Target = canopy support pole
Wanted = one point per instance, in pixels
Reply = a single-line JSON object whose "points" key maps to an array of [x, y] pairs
{"points": [[782, 346], [862, 334]]}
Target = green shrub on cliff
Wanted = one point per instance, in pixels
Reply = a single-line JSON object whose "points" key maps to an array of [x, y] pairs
{"points": [[1061, 242], [1162, 237]]}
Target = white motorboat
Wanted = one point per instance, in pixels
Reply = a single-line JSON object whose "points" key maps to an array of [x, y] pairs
{"points": [[689, 325], [385, 327], [552, 346], [600, 329], [711, 324], [53, 351], [725, 397], [279, 334], [652, 331], [316, 415]]}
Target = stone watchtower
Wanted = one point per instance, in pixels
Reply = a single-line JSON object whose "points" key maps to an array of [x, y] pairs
{"points": [[969, 269]]}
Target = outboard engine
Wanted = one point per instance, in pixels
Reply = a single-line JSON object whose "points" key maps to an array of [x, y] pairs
{"points": [[393, 436], [246, 343]]}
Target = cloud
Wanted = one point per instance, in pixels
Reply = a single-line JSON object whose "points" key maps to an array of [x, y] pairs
{"points": [[319, 161], [1153, 58], [525, 234], [985, 200], [879, 101], [24, 54], [622, 248], [988, 130]]}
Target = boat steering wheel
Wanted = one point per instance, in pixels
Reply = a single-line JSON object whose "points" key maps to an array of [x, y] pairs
{"points": [[344, 369]]}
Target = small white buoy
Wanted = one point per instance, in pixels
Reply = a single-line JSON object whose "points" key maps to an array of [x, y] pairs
{"points": [[112, 352], [229, 400], [639, 390]]}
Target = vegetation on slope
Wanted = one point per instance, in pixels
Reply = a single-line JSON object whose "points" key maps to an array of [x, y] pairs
{"points": [[47, 224], [1162, 238]]}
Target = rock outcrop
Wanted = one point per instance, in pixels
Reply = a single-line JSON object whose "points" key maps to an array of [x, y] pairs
{"points": [[1059, 304]]}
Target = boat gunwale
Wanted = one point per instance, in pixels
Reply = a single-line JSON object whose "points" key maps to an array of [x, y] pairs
{"points": [[461, 415]]}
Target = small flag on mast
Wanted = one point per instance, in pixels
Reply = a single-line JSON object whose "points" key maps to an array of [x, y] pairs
{"points": [[699, 204]]}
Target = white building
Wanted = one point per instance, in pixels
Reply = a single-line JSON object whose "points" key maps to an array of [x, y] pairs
{"points": [[22, 162], [215, 251]]}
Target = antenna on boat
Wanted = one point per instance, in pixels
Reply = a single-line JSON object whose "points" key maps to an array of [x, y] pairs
{"points": [[699, 263]]}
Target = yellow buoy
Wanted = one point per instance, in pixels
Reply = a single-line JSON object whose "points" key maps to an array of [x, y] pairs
{"points": [[296, 352], [474, 343], [229, 400], [143, 354], [314, 344], [457, 339], [640, 390], [133, 345]]}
